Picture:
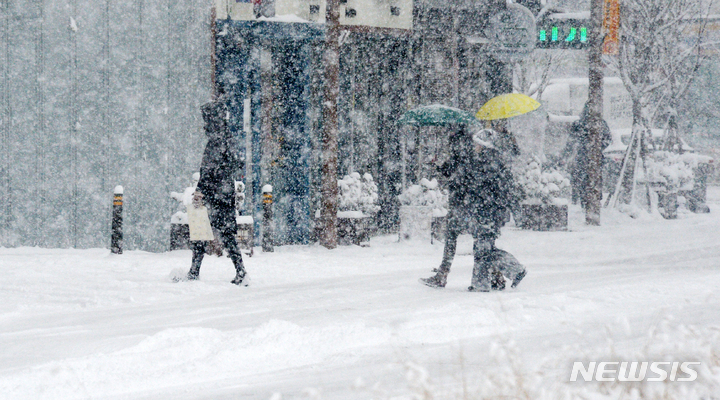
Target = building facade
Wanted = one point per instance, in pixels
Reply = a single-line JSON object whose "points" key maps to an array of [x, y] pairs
{"points": [[100, 94], [395, 55]]}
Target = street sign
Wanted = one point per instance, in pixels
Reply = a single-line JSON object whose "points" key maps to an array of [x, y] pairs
{"points": [[611, 27], [564, 31], [511, 33]]}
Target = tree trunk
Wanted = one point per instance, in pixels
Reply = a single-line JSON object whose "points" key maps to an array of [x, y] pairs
{"points": [[331, 59], [267, 88], [593, 191], [626, 187]]}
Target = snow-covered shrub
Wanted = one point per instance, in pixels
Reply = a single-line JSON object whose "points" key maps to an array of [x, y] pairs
{"points": [[427, 193], [673, 170], [543, 186], [358, 194], [185, 200]]}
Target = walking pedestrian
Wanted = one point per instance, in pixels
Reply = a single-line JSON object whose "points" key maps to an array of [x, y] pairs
{"points": [[482, 193], [216, 188], [576, 152]]}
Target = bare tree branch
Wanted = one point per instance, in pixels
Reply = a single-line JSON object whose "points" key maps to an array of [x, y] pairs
{"points": [[660, 55]]}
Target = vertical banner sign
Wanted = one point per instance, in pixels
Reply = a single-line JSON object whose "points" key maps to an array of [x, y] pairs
{"points": [[611, 27]]}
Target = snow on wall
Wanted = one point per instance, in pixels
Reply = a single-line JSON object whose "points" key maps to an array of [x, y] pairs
{"points": [[95, 94]]}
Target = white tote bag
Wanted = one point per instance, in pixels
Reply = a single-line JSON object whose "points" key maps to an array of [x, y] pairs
{"points": [[199, 222]]}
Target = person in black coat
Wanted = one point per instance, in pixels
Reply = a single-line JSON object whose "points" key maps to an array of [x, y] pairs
{"points": [[482, 194], [216, 188], [576, 152]]}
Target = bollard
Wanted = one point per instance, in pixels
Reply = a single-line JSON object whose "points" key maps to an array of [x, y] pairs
{"points": [[267, 231], [117, 233]]}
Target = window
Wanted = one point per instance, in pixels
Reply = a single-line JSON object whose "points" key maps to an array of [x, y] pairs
{"points": [[350, 13], [314, 9], [395, 11]]}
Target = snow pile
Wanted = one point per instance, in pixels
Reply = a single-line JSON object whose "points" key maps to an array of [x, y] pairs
{"points": [[545, 187], [358, 194], [673, 170], [513, 377], [187, 355], [669, 343], [694, 159], [426, 194], [665, 342]]}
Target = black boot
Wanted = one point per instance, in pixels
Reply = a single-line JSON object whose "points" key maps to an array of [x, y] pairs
{"points": [[240, 273], [240, 278], [194, 273], [197, 257], [438, 281]]}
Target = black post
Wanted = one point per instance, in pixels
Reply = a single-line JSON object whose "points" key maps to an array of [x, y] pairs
{"points": [[117, 233], [267, 231]]}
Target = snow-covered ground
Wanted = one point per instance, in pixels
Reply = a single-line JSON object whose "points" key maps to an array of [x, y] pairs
{"points": [[355, 323]]}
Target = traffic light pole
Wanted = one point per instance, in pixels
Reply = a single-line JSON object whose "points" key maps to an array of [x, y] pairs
{"points": [[593, 191]]}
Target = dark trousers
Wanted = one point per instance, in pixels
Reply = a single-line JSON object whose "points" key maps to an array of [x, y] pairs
{"points": [[578, 185], [223, 220], [483, 239], [488, 261]]}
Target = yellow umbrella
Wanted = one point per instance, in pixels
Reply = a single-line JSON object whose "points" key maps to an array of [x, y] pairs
{"points": [[506, 106]]}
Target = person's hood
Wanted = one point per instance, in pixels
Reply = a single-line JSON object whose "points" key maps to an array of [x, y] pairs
{"points": [[485, 138], [214, 114]]}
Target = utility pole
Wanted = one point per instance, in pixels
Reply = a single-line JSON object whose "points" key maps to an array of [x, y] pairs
{"points": [[593, 190], [331, 60]]}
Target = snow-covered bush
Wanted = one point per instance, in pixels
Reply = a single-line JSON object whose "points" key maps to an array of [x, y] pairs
{"points": [[427, 193], [185, 200], [673, 170], [358, 194], [543, 186]]}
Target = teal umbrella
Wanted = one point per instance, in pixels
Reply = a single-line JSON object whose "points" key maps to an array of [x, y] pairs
{"points": [[437, 115]]}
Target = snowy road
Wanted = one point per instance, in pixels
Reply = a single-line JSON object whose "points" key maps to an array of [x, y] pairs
{"points": [[352, 322]]}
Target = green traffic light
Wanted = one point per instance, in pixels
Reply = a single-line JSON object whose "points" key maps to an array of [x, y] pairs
{"points": [[571, 36]]}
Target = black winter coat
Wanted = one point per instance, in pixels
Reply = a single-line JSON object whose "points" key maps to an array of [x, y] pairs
{"points": [[579, 143], [481, 184], [220, 163]]}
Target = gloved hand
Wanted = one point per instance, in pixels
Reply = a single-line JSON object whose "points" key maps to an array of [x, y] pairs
{"points": [[197, 200]]}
